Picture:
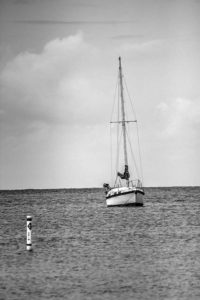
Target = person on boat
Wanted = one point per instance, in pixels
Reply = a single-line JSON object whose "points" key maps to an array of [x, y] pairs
{"points": [[106, 187], [126, 174]]}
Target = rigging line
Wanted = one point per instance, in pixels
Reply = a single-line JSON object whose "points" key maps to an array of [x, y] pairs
{"points": [[118, 139], [137, 129], [137, 173], [131, 102], [111, 142], [116, 88], [118, 105], [111, 159], [140, 156], [118, 182], [117, 158], [119, 135], [118, 151]]}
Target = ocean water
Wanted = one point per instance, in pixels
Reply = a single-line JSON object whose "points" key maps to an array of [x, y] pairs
{"points": [[84, 250]]}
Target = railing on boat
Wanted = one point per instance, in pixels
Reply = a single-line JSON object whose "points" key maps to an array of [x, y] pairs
{"points": [[132, 183], [135, 183]]}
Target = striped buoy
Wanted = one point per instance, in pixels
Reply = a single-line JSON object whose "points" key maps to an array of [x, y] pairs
{"points": [[29, 228]]}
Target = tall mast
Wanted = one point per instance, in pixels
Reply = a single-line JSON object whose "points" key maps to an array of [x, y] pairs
{"points": [[123, 118]]}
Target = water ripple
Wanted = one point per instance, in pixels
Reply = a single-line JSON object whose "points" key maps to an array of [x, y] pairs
{"points": [[84, 250]]}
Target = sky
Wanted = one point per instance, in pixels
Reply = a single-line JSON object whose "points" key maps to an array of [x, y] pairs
{"points": [[58, 72]]}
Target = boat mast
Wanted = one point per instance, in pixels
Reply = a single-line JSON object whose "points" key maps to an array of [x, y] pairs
{"points": [[123, 118]]}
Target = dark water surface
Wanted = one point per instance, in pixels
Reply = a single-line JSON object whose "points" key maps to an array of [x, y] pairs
{"points": [[84, 250]]}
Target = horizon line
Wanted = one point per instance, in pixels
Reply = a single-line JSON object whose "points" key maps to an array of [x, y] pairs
{"points": [[82, 188]]}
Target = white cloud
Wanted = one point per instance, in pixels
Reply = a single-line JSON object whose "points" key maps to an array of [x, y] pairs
{"points": [[55, 106], [58, 85], [142, 46], [53, 116], [171, 145], [180, 117]]}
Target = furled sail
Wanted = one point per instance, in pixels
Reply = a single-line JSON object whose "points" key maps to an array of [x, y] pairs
{"points": [[126, 174]]}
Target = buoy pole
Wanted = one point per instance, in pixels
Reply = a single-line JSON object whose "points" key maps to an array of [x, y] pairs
{"points": [[29, 228]]}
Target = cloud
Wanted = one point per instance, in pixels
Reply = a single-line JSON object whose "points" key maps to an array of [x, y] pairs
{"points": [[53, 115], [128, 36], [180, 117], [60, 85], [171, 143], [144, 48], [55, 106]]}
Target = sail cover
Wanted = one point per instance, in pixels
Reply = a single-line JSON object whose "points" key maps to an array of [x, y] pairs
{"points": [[126, 174]]}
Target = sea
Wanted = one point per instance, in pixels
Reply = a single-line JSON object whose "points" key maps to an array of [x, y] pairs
{"points": [[83, 250]]}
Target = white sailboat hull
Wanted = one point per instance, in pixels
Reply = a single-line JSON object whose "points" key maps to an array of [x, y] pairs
{"points": [[125, 196]]}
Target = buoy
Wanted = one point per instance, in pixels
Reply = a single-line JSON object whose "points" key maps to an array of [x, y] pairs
{"points": [[29, 228]]}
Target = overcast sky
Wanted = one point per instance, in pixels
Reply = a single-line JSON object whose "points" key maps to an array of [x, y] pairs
{"points": [[58, 70]]}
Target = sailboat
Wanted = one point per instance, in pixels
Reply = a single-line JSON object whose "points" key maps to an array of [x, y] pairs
{"points": [[126, 190]]}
